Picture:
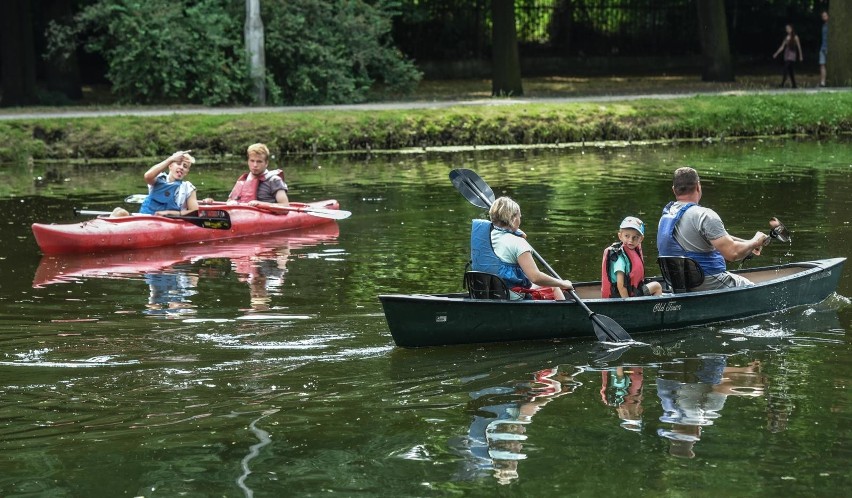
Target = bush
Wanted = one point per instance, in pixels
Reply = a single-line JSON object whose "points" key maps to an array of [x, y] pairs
{"points": [[168, 51], [333, 51], [163, 50]]}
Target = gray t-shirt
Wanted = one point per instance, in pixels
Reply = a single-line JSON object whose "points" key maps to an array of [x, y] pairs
{"points": [[269, 187], [697, 228]]}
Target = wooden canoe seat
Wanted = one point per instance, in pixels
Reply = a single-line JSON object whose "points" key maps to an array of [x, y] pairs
{"points": [[680, 273], [481, 285]]}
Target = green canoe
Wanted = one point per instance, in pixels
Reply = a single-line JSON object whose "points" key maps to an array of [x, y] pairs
{"points": [[417, 320]]}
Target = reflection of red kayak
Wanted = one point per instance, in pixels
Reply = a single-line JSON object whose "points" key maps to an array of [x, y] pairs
{"points": [[64, 268], [137, 232]]}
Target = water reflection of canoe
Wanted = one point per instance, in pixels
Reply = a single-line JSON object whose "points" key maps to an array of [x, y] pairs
{"points": [[65, 268], [137, 232], [442, 319]]}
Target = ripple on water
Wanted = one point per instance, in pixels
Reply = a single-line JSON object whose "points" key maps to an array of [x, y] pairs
{"points": [[762, 331]]}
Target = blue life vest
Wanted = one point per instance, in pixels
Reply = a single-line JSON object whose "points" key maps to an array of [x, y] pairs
{"points": [[711, 262], [161, 197], [483, 258]]}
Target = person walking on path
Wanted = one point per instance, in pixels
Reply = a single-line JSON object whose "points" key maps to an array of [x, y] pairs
{"points": [[790, 46], [823, 48]]}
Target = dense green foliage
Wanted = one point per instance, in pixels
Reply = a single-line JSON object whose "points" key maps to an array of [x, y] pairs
{"points": [[192, 51], [162, 50], [332, 51], [713, 117]]}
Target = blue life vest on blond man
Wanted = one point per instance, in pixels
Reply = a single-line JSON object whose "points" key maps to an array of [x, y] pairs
{"points": [[483, 258], [161, 197], [711, 262]]}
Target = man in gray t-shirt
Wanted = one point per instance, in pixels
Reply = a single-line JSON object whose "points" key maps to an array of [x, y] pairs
{"points": [[700, 234]]}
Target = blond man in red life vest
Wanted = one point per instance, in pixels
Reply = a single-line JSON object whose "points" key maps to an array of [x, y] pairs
{"points": [[623, 266], [260, 186]]}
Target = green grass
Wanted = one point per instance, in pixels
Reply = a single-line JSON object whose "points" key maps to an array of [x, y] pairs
{"points": [[718, 116]]}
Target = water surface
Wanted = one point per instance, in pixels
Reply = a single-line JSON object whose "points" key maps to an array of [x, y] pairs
{"points": [[264, 366]]}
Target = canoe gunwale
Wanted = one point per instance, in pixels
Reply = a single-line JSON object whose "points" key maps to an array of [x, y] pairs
{"points": [[808, 268]]}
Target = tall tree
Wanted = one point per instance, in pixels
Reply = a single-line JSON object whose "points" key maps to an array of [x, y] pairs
{"points": [[839, 62], [254, 47], [61, 70], [506, 65], [17, 54], [713, 33]]}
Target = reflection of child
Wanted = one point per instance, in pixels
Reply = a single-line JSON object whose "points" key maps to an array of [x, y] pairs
{"points": [[622, 389], [623, 267]]}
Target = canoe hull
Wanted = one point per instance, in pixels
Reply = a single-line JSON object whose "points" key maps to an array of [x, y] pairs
{"points": [[138, 232], [435, 320]]}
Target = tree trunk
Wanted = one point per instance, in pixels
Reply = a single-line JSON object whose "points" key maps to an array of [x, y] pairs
{"points": [[62, 74], [506, 65], [255, 49], [838, 64], [17, 54], [713, 33], [562, 26]]}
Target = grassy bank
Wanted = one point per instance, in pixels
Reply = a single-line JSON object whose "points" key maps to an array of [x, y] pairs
{"points": [[322, 131]]}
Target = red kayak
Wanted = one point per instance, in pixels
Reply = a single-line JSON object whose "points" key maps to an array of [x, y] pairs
{"points": [[242, 252], [212, 223]]}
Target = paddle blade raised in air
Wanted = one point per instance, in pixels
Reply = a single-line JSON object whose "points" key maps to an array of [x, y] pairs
{"points": [[472, 187]]}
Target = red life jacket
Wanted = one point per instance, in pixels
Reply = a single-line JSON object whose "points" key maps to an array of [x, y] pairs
{"points": [[635, 275], [245, 190]]}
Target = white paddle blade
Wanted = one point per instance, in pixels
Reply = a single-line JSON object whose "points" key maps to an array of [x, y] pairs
{"points": [[136, 198], [334, 214]]}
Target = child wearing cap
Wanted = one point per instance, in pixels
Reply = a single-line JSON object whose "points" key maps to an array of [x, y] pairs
{"points": [[623, 267]]}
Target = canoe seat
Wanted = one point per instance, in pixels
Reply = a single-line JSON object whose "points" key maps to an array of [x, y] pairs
{"points": [[680, 273], [481, 285]]}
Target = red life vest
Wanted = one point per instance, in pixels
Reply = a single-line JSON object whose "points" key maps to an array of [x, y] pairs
{"points": [[245, 190], [635, 275]]}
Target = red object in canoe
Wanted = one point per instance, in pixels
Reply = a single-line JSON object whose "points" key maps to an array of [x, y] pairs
{"points": [[141, 231]]}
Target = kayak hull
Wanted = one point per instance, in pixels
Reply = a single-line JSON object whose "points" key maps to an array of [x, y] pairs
{"points": [[144, 231], [435, 320]]}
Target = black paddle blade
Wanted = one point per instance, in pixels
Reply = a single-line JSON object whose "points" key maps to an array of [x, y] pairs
{"points": [[779, 231], [216, 220], [472, 187], [608, 330]]}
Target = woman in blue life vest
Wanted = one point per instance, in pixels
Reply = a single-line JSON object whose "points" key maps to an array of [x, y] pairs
{"points": [[515, 255], [623, 266], [169, 194]]}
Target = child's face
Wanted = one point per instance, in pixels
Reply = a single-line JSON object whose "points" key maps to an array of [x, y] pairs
{"points": [[630, 237], [179, 169]]}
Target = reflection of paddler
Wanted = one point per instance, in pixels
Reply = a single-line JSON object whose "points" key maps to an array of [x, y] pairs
{"points": [[170, 293], [497, 431], [693, 397], [265, 275]]}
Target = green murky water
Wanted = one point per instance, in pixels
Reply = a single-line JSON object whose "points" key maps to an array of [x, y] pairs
{"points": [[264, 367]]}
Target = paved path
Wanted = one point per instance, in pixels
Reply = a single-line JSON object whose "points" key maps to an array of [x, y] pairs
{"points": [[11, 115]]}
